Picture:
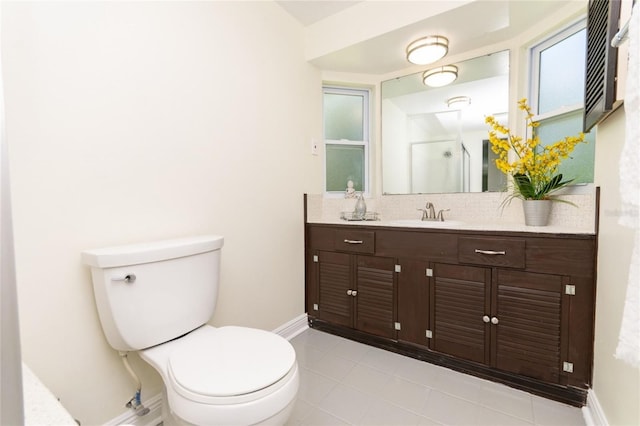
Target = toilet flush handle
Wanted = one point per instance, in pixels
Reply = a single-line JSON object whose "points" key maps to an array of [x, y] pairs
{"points": [[129, 278]]}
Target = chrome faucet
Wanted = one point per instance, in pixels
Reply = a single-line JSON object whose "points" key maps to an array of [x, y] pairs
{"points": [[429, 213]]}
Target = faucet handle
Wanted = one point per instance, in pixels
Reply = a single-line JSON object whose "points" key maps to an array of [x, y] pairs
{"points": [[424, 214], [440, 216]]}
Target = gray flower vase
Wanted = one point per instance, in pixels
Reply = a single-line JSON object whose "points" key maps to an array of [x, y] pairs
{"points": [[536, 212]]}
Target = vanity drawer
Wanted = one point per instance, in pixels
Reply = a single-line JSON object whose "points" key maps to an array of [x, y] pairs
{"points": [[492, 251], [355, 241]]}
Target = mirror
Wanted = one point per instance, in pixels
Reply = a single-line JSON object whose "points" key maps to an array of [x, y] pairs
{"points": [[431, 147]]}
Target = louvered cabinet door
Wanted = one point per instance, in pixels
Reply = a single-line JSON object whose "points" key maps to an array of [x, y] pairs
{"points": [[528, 333], [375, 301], [460, 302], [334, 288]]}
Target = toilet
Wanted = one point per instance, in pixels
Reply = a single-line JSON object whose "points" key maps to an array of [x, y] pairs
{"points": [[156, 298]]}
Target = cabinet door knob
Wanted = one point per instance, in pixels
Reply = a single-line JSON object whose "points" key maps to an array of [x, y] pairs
{"points": [[354, 292], [349, 292], [486, 318], [494, 320]]}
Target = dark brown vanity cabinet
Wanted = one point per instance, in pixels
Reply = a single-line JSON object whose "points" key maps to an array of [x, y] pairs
{"points": [[353, 290], [509, 320], [513, 307]]}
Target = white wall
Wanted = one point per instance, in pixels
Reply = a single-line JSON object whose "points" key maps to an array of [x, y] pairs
{"points": [[616, 384], [11, 401], [129, 122]]}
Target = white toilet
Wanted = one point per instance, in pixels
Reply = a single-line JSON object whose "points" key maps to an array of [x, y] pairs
{"points": [[156, 299]]}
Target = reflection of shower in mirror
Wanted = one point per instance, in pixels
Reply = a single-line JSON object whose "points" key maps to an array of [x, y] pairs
{"points": [[429, 147], [439, 166]]}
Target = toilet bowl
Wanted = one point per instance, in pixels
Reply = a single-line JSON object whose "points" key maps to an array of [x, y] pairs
{"points": [[156, 299], [227, 376]]}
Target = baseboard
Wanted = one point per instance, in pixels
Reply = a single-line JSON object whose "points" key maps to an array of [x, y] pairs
{"points": [[153, 418], [293, 327], [592, 412], [289, 330]]}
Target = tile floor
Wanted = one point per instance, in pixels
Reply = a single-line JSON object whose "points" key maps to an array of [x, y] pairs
{"points": [[347, 383]]}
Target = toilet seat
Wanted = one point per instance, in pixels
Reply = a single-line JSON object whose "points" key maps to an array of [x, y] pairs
{"points": [[230, 365], [271, 404]]}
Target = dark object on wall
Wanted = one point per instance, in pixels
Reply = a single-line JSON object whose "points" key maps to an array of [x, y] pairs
{"points": [[602, 58]]}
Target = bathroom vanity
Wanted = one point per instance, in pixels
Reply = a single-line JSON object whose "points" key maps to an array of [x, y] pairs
{"points": [[509, 306]]}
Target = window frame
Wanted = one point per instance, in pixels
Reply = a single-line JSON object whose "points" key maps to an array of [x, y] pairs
{"points": [[534, 51], [534, 71], [366, 132]]}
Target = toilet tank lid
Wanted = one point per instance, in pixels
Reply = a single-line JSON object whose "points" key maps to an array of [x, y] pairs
{"points": [[135, 254]]}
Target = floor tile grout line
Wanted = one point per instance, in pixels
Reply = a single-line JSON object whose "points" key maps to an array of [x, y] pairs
{"points": [[367, 393], [374, 395], [508, 415], [391, 376], [530, 418], [422, 416]]}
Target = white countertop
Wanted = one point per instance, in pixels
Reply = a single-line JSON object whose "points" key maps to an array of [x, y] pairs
{"points": [[463, 226], [41, 407]]}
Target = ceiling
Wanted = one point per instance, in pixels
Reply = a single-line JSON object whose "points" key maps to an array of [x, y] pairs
{"points": [[468, 27], [309, 12]]}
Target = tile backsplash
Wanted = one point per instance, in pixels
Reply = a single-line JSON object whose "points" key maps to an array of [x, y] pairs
{"points": [[478, 208]]}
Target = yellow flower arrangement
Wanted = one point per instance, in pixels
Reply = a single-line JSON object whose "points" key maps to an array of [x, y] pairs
{"points": [[535, 167]]}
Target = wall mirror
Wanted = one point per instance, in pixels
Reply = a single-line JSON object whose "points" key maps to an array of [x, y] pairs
{"points": [[429, 146]]}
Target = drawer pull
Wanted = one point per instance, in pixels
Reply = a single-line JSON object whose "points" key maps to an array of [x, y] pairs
{"points": [[354, 241], [491, 252]]}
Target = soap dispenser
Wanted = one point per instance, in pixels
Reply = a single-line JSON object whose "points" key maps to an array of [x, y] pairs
{"points": [[361, 208]]}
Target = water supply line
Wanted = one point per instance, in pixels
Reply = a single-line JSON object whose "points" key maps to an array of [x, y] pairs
{"points": [[134, 403]]}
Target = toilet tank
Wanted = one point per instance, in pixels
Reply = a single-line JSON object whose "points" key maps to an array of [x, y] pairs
{"points": [[150, 293]]}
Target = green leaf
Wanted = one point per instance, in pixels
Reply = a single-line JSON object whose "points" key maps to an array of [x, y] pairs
{"points": [[555, 183], [524, 186]]}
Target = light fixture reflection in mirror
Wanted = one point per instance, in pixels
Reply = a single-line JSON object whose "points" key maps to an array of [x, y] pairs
{"points": [[440, 76], [417, 124], [458, 102]]}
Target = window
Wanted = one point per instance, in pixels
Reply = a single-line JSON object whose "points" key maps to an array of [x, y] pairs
{"points": [[346, 136], [557, 96]]}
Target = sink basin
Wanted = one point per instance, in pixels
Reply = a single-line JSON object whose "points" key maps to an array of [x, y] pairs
{"points": [[417, 223]]}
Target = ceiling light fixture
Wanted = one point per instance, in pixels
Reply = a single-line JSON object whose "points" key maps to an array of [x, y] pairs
{"points": [[440, 76], [458, 102], [427, 50]]}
